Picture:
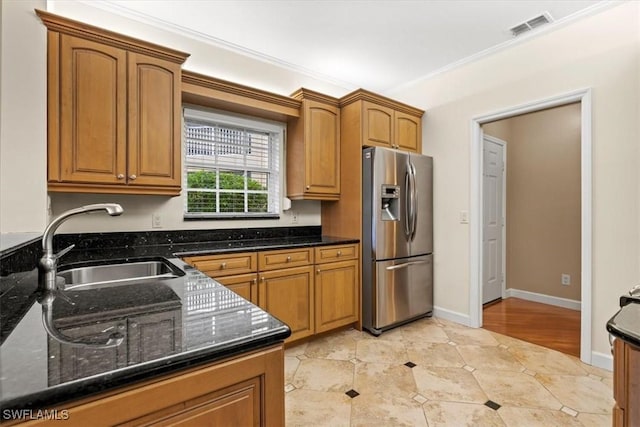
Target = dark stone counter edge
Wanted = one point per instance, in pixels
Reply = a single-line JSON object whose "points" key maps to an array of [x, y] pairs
{"points": [[57, 396], [618, 332]]}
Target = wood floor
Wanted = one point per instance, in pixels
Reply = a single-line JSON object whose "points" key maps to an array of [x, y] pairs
{"points": [[546, 325]]}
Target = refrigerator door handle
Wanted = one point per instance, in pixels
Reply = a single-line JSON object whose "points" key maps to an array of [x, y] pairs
{"points": [[405, 265], [414, 224], [408, 219]]}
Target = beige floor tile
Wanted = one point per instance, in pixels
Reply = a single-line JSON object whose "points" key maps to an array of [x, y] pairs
{"points": [[602, 373], [296, 350], [432, 354], [305, 408], [324, 375], [527, 417], [582, 393], [290, 366], [383, 378], [509, 388], [496, 358], [446, 414], [594, 420], [381, 351], [337, 347], [450, 384], [386, 410], [424, 330], [545, 361], [470, 336], [510, 341], [394, 334]]}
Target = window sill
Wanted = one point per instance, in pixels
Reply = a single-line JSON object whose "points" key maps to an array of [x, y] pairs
{"points": [[224, 217]]}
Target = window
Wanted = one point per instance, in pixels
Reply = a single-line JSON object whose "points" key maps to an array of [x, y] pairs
{"points": [[232, 166]]}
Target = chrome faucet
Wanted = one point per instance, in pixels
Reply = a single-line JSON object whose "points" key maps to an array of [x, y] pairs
{"points": [[49, 261]]}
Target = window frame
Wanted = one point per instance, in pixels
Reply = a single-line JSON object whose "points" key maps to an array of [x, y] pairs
{"points": [[226, 118]]}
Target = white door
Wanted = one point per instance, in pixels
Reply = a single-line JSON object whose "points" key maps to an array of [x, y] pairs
{"points": [[493, 218]]}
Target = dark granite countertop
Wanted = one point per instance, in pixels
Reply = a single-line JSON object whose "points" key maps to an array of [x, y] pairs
{"points": [[625, 324], [189, 320]]}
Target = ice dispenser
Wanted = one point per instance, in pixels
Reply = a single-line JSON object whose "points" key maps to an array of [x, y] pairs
{"points": [[390, 203]]}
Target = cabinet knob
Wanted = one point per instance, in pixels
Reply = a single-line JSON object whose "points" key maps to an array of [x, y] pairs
{"points": [[339, 253], [308, 187], [318, 271], [262, 279], [288, 259], [121, 327], [120, 176], [254, 281], [132, 177], [223, 266], [134, 325]]}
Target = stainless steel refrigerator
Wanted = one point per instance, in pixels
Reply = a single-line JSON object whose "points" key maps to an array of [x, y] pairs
{"points": [[397, 264]]}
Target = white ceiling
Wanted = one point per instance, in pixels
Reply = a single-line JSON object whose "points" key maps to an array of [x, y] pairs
{"points": [[377, 44]]}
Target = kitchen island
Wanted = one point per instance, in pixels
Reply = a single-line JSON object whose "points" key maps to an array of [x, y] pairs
{"points": [[188, 346], [625, 327]]}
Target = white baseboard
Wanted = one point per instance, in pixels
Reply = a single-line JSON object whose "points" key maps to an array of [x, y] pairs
{"points": [[545, 299], [453, 316], [602, 360]]}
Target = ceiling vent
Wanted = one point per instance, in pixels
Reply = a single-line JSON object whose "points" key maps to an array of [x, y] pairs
{"points": [[542, 19]]}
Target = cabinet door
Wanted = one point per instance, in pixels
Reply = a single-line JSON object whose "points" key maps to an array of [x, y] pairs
{"points": [[288, 295], [245, 285], [322, 148], [408, 132], [336, 286], [154, 122], [238, 405], [155, 335], [377, 125], [93, 113]]}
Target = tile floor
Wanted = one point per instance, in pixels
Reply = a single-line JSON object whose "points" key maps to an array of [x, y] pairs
{"points": [[433, 372]]}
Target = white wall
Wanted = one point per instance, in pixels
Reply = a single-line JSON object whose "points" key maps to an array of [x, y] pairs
{"points": [[23, 164], [601, 52], [23, 201]]}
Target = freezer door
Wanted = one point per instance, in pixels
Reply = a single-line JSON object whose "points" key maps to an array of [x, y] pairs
{"points": [[390, 227], [422, 221], [403, 290]]}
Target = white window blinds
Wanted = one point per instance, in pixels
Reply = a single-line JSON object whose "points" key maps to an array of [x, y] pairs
{"points": [[232, 166]]}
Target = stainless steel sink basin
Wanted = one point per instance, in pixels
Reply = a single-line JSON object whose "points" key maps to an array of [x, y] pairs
{"points": [[116, 274]]}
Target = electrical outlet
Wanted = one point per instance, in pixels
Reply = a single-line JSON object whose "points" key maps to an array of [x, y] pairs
{"points": [[294, 217], [156, 221], [566, 279]]}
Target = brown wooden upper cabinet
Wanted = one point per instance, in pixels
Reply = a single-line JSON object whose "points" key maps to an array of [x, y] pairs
{"points": [[313, 148], [114, 111], [381, 122]]}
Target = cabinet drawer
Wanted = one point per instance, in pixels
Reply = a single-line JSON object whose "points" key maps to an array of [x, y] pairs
{"points": [[224, 265], [273, 260], [336, 253]]}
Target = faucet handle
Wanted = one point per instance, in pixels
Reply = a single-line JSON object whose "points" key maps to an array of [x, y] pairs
{"points": [[64, 251]]}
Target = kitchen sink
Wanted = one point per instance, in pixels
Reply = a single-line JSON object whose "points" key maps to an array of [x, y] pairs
{"points": [[115, 274]]}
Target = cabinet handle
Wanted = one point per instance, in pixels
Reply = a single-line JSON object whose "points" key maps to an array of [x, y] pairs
{"points": [[132, 177], [120, 176], [318, 271], [288, 259], [339, 253], [121, 327], [223, 266], [262, 279], [134, 325], [254, 281]]}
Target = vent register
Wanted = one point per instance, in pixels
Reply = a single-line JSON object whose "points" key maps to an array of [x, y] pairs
{"points": [[535, 22]]}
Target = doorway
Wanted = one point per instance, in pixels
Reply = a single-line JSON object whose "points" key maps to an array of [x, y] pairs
{"points": [[477, 215]]}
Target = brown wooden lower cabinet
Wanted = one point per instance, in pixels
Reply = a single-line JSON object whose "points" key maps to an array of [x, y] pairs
{"points": [[626, 384], [246, 390], [312, 290], [288, 295]]}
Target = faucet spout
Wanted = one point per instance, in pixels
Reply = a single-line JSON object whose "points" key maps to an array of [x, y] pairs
{"points": [[49, 261]]}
